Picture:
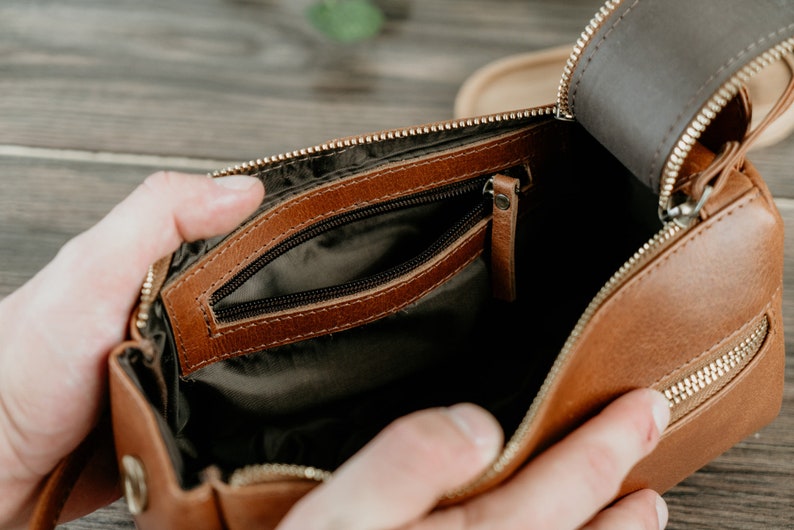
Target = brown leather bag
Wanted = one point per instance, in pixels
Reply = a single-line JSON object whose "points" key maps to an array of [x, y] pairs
{"points": [[538, 263]]}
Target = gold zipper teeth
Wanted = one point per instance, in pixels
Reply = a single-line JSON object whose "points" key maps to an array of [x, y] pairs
{"points": [[563, 104], [257, 474], [146, 299], [699, 123], [692, 389], [253, 165], [710, 111]]}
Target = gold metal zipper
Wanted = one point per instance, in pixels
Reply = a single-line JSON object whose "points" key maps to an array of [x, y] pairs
{"points": [[686, 391], [156, 274], [699, 123], [258, 474], [147, 290], [254, 165], [645, 253], [563, 105]]}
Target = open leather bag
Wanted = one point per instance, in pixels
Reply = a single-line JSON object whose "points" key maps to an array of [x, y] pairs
{"points": [[539, 263]]}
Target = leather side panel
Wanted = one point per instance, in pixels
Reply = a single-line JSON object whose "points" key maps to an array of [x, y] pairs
{"points": [[137, 434]]}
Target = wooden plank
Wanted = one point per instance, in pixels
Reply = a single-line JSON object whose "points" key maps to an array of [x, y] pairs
{"points": [[241, 80]]}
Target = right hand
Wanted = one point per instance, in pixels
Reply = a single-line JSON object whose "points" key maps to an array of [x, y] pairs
{"points": [[396, 480]]}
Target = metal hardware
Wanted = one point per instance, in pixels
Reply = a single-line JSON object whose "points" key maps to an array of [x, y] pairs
{"points": [[558, 113], [684, 213], [502, 201], [136, 492]]}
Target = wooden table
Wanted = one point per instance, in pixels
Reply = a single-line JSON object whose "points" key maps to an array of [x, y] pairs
{"points": [[94, 96]]}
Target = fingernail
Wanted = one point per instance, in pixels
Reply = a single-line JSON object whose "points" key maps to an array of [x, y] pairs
{"points": [[236, 182], [479, 427], [661, 411], [661, 512]]}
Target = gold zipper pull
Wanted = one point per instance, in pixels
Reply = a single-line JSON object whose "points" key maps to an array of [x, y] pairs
{"points": [[503, 235]]}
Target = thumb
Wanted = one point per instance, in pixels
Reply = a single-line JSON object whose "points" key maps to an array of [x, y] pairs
{"points": [[104, 266], [403, 472], [167, 209], [58, 328]]}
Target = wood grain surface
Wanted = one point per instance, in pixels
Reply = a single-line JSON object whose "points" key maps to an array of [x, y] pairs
{"points": [[94, 96]]}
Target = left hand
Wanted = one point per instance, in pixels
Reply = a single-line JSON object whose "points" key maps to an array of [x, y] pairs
{"points": [[57, 329]]}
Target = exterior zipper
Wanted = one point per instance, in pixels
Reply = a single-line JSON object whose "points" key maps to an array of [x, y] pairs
{"points": [[152, 283], [686, 391], [147, 297], [280, 303]]}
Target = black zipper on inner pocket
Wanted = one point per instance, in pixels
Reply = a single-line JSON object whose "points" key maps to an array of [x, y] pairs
{"points": [[283, 302]]}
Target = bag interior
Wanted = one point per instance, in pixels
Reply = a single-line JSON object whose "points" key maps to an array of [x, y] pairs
{"points": [[316, 402]]}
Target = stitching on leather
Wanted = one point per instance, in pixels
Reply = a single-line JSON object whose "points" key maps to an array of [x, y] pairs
{"points": [[719, 342], [315, 156], [368, 318], [675, 124], [591, 55]]}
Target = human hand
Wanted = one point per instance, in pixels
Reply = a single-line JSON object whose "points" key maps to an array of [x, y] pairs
{"points": [[57, 329], [395, 481]]}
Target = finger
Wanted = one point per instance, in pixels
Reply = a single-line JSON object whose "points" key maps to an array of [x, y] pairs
{"points": [[569, 483], [403, 472], [642, 510]]}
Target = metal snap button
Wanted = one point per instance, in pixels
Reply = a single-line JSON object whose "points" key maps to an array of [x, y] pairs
{"points": [[136, 492]]}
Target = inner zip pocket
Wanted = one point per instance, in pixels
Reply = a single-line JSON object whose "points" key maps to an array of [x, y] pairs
{"points": [[422, 234]]}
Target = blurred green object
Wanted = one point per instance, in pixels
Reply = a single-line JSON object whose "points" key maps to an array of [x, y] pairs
{"points": [[346, 20]]}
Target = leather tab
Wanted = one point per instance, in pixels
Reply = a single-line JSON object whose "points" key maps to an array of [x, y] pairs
{"points": [[651, 66], [503, 237]]}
